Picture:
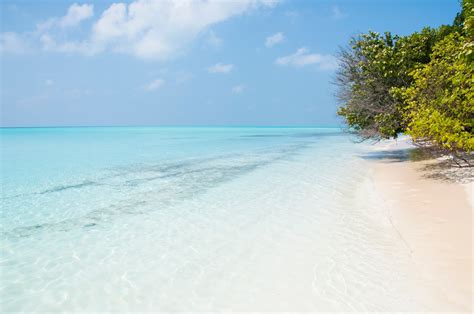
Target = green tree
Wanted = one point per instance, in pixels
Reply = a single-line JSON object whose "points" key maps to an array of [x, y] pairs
{"points": [[421, 84], [439, 104], [369, 69]]}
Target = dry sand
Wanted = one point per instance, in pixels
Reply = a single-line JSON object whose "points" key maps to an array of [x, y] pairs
{"points": [[431, 208]]}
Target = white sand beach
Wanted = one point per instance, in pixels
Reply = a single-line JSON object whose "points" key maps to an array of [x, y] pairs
{"points": [[431, 208]]}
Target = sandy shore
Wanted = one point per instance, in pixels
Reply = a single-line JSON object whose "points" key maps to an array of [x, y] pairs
{"points": [[432, 211]]}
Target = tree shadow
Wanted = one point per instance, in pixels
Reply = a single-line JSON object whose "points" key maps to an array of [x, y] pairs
{"points": [[445, 170], [441, 169], [398, 155]]}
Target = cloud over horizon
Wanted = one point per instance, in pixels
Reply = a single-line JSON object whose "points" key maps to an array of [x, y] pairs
{"points": [[220, 68], [154, 85], [302, 57], [274, 39]]}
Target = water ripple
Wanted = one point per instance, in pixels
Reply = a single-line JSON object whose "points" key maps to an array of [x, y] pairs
{"points": [[180, 181], [67, 187]]}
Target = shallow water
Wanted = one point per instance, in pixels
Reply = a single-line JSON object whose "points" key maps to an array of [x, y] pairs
{"points": [[193, 219]]}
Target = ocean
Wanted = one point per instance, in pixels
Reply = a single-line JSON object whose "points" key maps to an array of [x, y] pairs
{"points": [[195, 219]]}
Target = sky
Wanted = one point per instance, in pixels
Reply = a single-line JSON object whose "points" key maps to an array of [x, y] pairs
{"points": [[209, 62]]}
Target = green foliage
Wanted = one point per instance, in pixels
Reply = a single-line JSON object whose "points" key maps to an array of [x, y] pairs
{"points": [[421, 84], [439, 104], [371, 67]]}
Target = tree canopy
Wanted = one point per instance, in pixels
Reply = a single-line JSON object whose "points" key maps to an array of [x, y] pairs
{"points": [[421, 85]]}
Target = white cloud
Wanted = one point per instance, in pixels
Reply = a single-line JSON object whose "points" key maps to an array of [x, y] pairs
{"points": [[46, 25], [147, 29], [75, 14], [274, 39], [154, 85], [337, 14], [13, 43], [161, 29], [220, 68], [302, 58], [238, 89], [50, 44]]}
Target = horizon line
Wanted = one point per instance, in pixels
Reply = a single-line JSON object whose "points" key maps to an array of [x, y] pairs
{"points": [[180, 126]]}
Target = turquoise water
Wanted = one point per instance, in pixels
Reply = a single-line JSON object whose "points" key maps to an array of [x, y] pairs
{"points": [[59, 175], [191, 219]]}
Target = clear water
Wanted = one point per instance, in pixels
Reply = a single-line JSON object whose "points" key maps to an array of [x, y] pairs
{"points": [[195, 219]]}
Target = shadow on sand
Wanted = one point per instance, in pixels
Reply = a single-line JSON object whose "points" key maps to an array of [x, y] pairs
{"points": [[398, 155], [444, 169]]}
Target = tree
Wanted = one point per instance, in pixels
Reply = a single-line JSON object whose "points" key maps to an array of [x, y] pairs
{"points": [[421, 84], [439, 104], [369, 69]]}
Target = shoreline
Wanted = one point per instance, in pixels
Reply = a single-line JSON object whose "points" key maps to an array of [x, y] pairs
{"points": [[433, 216]]}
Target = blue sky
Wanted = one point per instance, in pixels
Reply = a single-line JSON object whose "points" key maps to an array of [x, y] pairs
{"points": [[249, 62]]}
